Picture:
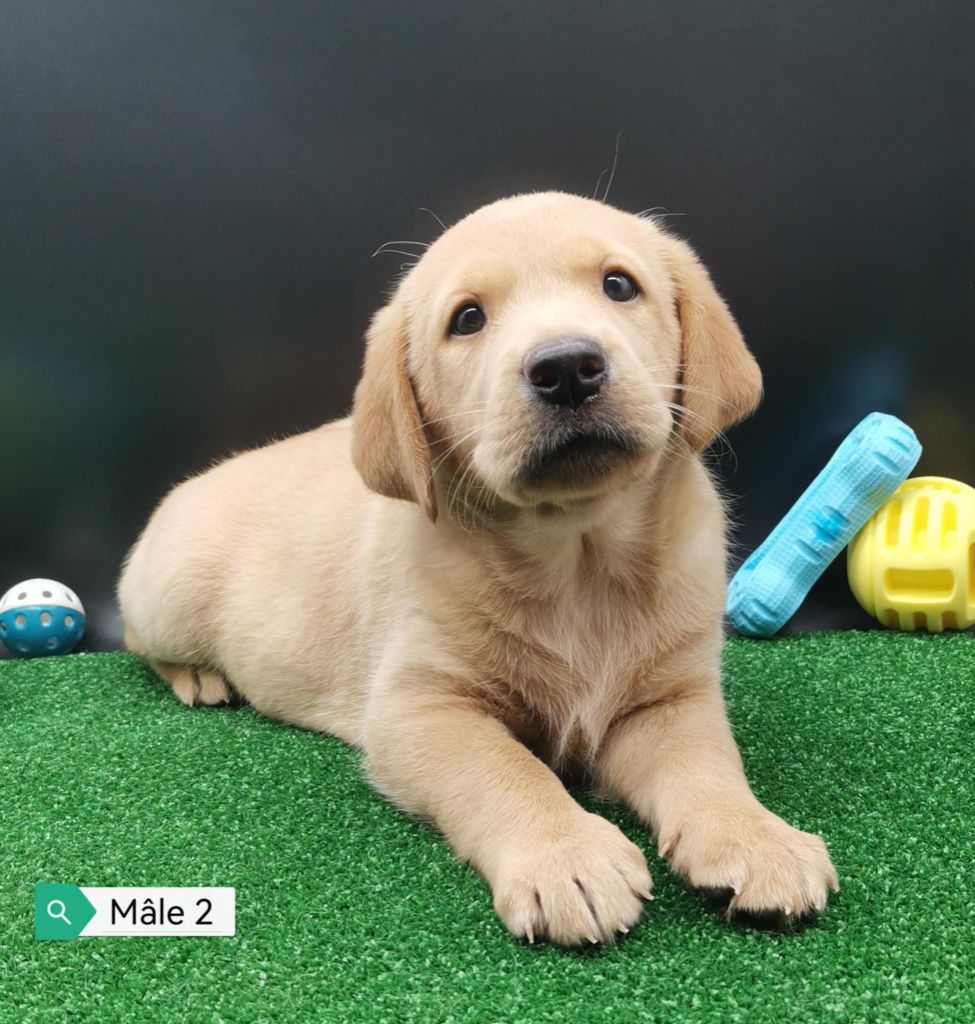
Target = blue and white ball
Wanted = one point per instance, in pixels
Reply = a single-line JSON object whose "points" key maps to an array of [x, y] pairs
{"points": [[39, 617]]}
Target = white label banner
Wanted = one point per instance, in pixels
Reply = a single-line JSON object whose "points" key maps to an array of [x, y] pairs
{"points": [[161, 910]]}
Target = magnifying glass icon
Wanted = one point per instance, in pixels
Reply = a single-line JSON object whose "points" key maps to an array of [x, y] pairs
{"points": [[56, 909]]}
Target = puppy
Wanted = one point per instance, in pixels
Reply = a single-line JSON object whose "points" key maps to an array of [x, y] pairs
{"points": [[509, 561]]}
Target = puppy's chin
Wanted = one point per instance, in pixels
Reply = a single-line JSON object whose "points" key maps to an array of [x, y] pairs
{"points": [[577, 463]]}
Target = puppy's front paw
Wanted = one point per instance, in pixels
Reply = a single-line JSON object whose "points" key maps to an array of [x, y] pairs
{"points": [[767, 867], [584, 885]]}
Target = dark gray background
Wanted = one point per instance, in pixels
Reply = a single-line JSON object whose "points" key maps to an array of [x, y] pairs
{"points": [[190, 194]]}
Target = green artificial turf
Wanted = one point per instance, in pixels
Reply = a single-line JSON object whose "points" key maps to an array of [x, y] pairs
{"points": [[348, 911]]}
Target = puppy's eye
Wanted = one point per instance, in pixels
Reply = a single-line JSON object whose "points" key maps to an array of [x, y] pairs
{"points": [[469, 319], [620, 287]]}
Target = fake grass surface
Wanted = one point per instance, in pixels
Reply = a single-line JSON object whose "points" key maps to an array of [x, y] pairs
{"points": [[348, 911]]}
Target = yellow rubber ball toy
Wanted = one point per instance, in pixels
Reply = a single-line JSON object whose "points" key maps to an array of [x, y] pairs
{"points": [[913, 565]]}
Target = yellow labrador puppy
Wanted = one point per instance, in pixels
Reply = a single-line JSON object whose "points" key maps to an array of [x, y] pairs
{"points": [[508, 561]]}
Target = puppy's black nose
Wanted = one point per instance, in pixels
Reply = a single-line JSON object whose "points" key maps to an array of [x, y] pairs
{"points": [[566, 371]]}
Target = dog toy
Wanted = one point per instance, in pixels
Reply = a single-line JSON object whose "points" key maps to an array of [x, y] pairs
{"points": [[866, 469], [39, 617], [913, 565]]}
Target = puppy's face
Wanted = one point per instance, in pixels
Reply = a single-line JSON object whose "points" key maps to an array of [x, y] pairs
{"points": [[544, 352], [544, 347]]}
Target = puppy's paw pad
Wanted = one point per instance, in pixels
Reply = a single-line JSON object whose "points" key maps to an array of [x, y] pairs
{"points": [[213, 688], [755, 866], [582, 887], [197, 686]]}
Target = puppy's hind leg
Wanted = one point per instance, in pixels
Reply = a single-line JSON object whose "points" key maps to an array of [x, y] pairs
{"points": [[192, 685]]}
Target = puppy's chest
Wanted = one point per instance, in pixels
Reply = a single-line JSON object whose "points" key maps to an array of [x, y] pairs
{"points": [[568, 668]]}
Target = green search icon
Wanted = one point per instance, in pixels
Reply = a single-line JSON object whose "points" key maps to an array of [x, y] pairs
{"points": [[60, 911]]}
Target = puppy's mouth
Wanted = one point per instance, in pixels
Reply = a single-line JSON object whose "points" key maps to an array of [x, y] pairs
{"points": [[577, 457]]}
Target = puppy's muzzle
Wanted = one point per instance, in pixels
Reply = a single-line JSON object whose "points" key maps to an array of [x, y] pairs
{"points": [[566, 372]]}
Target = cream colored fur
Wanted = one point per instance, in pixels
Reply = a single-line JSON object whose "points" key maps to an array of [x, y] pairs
{"points": [[392, 580]]}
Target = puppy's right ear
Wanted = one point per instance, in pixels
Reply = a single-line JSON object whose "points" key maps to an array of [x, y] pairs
{"points": [[389, 444]]}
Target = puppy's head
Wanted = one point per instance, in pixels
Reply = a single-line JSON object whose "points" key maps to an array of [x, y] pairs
{"points": [[544, 350]]}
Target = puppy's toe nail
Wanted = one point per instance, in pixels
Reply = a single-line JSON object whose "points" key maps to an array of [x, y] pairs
{"points": [[623, 929], [593, 940]]}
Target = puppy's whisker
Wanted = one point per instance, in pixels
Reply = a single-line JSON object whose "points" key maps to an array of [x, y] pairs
{"points": [[690, 414], [484, 495], [450, 451], [454, 442], [426, 209], [655, 213], [599, 181], [473, 411], [702, 391], [469, 507], [612, 173], [401, 241], [396, 252], [454, 439], [457, 493], [687, 387], [720, 435]]}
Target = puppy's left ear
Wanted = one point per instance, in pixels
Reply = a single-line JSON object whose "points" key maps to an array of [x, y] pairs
{"points": [[389, 443], [722, 382]]}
